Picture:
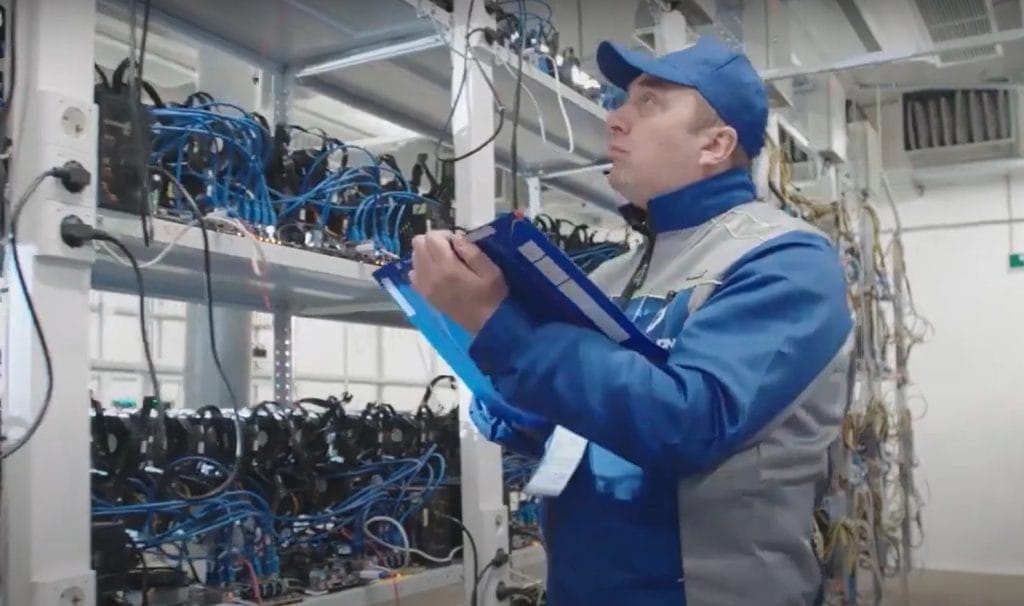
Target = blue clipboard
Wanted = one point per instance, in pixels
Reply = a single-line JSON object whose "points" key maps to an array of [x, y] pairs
{"points": [[541, 279]]}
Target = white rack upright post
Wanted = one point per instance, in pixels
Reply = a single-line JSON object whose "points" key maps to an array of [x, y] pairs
{"points": [[45, 501], [283, 377], [230, 80], [279, 86], [534, 192], [483, 510], [670, 32]]}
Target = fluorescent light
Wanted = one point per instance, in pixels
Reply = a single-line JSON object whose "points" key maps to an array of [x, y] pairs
{"points": [[381, 53]]}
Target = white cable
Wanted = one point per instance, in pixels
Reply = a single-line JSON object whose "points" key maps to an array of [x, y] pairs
{"points": [[442, 30], [529, 93], [155, 260], [561, 103], [258, 257], [407, 550]]}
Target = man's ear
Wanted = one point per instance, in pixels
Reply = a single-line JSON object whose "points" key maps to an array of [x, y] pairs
{"points": [[719, 146]]}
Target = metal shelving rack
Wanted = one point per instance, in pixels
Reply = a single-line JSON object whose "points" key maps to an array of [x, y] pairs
{"points": [[299, 279], [387, 57], [391, 59]]}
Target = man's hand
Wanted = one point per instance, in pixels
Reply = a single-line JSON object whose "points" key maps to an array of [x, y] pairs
{"points": [[457, 278]]}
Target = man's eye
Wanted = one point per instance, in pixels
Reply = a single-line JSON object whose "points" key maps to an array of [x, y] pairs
{"points": [[643, 99]]}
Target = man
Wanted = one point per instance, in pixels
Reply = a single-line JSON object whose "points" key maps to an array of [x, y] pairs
{"points": [[701, 474]]}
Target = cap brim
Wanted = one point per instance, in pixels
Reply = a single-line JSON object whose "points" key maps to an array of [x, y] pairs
{"points": [[620, 66]]}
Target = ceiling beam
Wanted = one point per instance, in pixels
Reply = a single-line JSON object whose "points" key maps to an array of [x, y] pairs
{"points": [[859, 25], [171, 69], [432, 131], [882, 57]]}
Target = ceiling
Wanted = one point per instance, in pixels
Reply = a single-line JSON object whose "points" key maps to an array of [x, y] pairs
{"points": [[815, 34], [172, 65], [942, 22], [883, 45], [811, 34]]}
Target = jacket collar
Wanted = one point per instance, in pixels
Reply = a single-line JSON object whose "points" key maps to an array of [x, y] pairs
{"points": [[701, 201]]}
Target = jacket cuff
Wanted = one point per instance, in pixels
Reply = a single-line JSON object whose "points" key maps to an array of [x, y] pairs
{"points": [[500, 337], [498, 430]]}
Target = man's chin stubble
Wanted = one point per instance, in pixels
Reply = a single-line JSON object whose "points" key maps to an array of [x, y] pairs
{"points": [[621, 185]]}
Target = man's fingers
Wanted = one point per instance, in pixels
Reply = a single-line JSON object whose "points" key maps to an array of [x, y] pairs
{"points": [[475, 258], [438, 245], [419, 251], [420, 260]]}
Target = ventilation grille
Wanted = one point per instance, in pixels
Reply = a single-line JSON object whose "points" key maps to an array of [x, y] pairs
{"points": [[970, 54], [950, 118], [952, 19], [949, 20], [1009, 14]]}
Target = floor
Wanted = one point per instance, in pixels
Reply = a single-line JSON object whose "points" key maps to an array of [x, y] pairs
{"points": [[939, 588], [927, 588]]}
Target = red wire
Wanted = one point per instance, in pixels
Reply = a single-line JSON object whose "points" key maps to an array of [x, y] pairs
{"points": [[255, 581]]}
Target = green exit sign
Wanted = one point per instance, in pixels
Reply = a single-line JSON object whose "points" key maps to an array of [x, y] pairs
{"points": [[1016, 260]]}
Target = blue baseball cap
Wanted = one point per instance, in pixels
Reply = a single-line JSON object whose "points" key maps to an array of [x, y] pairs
{"points": [[723, 76]]}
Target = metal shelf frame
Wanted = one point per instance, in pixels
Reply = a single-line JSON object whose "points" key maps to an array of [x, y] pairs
{"points": [[294, 43], [424, 585], [392, 59]]}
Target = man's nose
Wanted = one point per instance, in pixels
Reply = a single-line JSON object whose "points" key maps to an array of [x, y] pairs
{"points": [[616, 122]]}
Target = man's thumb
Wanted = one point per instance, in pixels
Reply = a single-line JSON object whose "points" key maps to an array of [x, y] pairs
{"points": [[475, 259]]}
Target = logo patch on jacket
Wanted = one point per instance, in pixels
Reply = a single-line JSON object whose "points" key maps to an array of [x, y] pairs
{"points": [[661, 318]]}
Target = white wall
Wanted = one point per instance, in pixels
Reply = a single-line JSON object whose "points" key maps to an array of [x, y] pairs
{"points": [[373, 363], [970, 442]]}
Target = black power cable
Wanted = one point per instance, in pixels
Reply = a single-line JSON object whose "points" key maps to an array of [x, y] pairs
{"points": [[145, 36], [137, 120], [208, 282], [11, 49], [76, 233], [489, 140], [47, 359], [147, 350], [74, 178], [458, 95], [514, 151], [477, 575], [462, 84]]}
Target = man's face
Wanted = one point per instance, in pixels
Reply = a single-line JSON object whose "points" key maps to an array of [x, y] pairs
{"points": [[664, 137]]}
